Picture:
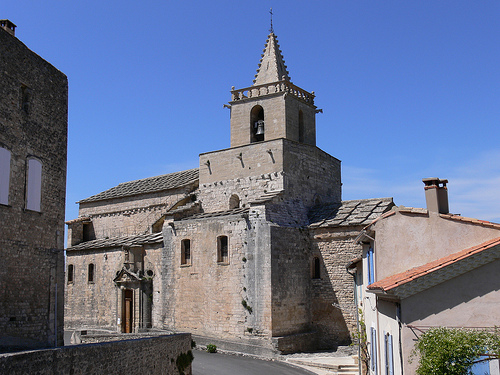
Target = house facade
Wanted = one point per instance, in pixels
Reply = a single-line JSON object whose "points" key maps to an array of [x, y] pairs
{"points": [[33, 143], [425, 268], [247, 251]]}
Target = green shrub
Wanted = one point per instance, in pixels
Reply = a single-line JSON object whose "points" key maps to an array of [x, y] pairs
{"points": [[212, 348]]}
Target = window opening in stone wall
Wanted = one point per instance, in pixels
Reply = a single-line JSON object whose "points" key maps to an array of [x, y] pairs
{"points": [[222, 249], [71, 272], [301, 127], [257, 124], [34, 185], [186, 252], [234, 202], [25, 98], [4, 175], [91, 273], [88, 232], [389, 361], [316, 268]]}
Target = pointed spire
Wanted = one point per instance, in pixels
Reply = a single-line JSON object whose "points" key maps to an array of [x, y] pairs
{"points": [[272, 66]]}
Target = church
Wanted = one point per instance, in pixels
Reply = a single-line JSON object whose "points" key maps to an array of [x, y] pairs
{"points": [[248, 251]]}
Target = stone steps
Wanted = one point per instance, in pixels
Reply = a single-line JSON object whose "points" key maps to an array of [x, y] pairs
{"points": [[328, 365]]}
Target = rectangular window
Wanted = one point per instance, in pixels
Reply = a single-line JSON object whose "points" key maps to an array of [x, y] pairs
{"points": [[222, 249], [373, 349], [34, 185], [186, 252], [371, 268], [91, 273], [4, 175], [71, 271], [389, 361]]}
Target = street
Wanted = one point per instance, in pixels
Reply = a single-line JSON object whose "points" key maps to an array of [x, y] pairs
{"points": [[222, 364]]}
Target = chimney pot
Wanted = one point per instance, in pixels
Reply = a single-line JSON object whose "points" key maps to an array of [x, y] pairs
{"points": [[436, 195], [8, 26]]}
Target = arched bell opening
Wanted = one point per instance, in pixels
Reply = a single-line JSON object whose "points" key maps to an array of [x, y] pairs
{"points": [[257, 124]]}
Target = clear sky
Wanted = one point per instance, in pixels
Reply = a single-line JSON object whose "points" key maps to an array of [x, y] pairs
{"points": [[409, 89]]}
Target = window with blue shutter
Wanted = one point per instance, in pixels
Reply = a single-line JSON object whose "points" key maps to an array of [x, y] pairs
{"points": [[371, 270]]}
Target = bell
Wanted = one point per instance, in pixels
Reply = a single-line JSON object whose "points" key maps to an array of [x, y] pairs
{"points": [[260, 127]]}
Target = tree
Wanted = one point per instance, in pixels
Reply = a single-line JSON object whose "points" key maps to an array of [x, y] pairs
{"points": [[454, 351]]}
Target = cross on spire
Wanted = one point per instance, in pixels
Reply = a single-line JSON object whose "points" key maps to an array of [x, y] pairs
{"points": [[271, 30]]}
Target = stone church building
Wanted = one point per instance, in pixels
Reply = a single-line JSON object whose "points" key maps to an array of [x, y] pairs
{"points": [[249, 250]]}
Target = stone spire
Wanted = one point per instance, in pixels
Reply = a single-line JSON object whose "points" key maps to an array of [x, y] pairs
{"points": [[272, 66]]}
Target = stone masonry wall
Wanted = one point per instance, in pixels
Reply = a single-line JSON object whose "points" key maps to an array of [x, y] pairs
{"points": [[208, 296], [97, 305], [152, 356], [291, 281], [333, 306], [130, 215], [33, 124]]}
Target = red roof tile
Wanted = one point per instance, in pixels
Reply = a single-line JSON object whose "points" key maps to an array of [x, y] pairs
{"points": [[390, 283]]}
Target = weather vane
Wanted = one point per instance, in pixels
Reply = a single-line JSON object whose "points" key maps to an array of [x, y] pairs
{"points": [[271, 30]]}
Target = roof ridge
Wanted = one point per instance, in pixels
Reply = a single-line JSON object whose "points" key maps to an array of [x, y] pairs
{"points": [[272, 66]]}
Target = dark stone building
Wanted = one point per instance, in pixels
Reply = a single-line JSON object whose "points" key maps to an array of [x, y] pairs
{"points": [[33, 143]]}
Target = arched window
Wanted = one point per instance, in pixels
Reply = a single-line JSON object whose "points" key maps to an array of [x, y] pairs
{"points": [[186, 252], [34, 185], [91, 273], [222, 249], [257, 124], [4, 175], [71, 273], [234, 202], [301, 127], [316, 268]]}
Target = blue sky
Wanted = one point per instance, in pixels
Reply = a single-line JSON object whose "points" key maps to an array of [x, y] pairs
{"points": [[409, 89]]}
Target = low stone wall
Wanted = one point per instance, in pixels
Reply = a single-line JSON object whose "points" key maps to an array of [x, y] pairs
{"points": [[155, 355]]}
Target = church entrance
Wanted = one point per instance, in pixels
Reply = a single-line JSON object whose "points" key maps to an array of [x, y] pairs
{"points": [[128, 310]]}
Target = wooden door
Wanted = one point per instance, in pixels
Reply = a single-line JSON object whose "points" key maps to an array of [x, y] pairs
{"points": [[128, 308]]}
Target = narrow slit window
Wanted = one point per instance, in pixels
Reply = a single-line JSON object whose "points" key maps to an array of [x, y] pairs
{"points": [[186, 252], [34, 185], [71, 273], [4, 175], [91, 273], [222, 249], [316, 268]]}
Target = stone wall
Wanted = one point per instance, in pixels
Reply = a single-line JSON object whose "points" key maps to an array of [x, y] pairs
{"points": [[208, 295], [33, 125], [98, 304], [333, 306], [128, 215], [306, 173], [156, 355]]}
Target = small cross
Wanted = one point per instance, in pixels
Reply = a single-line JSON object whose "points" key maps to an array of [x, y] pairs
{"points": [[271, 30]]}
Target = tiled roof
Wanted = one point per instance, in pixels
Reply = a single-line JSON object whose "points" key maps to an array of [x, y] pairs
{"points": [[346, 213], [147, 185], [266, 197], [420, 278], [141, 239]]}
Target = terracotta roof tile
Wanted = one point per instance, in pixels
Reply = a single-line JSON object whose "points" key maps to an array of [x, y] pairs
{"points": [[433, 273]]}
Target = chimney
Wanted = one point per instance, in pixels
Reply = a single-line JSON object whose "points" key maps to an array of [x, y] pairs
{"points": [[436, 195], [8, 26]]}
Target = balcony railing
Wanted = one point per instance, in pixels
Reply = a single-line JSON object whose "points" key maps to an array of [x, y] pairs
{"points": [[271, 88]]}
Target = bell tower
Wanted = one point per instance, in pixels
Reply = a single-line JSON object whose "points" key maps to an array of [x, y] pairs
{"points": [[273, 107]]}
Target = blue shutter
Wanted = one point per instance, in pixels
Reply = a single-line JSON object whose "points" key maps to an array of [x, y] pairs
{"points": [[390, 360], [371, 273]]}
